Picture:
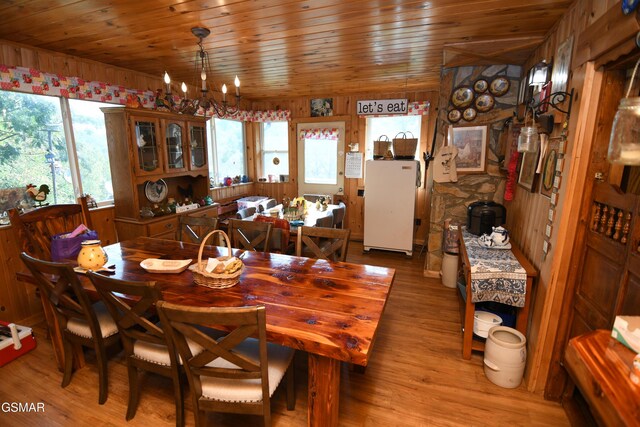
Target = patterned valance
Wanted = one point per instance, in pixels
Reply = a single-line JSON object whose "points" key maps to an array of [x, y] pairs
{"points": [[29, 80], [326, 133]]}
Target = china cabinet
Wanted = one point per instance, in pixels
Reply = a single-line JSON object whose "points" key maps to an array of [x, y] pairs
{"points": [[155, 156]]}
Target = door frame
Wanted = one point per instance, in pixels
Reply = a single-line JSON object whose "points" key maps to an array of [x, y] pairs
{"points": [[293, 138]]}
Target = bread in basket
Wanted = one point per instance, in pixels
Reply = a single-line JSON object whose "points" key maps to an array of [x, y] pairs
{"points": [[217, 280]]}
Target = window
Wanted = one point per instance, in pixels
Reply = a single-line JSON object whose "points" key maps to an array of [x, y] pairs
{"points": [[321, 161], [391, 126], [228, 150], [91, 148], [275, 148], [34, 149]]}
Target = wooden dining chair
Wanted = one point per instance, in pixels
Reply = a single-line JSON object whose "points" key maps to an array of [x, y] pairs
{"points": [[245, 213], [280, 233], [266, 205], [36, 228], [250, 235], [338, 215], [79, 321], [325, 221], [324, 243], [312, 197], [236, 373], [194, 229], [144, 341]]}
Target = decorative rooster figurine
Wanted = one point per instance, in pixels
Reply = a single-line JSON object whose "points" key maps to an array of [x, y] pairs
{"points": [[38, 194]]}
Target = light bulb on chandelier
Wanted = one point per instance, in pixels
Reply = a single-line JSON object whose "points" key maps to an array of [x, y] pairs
{"points": [[205, 104]]}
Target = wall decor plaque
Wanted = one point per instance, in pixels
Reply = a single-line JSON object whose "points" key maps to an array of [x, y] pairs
{"points": [[462, 97], [499, 86], [454, 116], [481, 86], [469, 114], [484, 102]]}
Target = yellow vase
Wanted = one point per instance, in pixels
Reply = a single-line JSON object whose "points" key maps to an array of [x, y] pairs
{"points": [[92, 256]]}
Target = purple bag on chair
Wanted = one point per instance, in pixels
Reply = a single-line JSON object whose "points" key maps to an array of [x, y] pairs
{"points": [[69, 248]]}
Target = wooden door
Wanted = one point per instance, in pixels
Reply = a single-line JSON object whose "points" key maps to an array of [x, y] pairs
{"points": [[608, 258]]}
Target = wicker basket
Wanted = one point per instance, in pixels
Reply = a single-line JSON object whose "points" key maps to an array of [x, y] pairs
{"points": [[405, 148], [381, 147], [214, 280]]}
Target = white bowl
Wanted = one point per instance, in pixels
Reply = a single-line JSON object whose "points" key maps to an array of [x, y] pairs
{"points": [[483, 321]]}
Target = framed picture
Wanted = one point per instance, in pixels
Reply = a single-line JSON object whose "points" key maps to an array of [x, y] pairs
{"points": [[560, 73], [471, 142], [321, 107], [527, 177], [549, 167]]}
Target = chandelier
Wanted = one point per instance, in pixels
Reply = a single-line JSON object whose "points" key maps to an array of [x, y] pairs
{"points": [[205, 104]]}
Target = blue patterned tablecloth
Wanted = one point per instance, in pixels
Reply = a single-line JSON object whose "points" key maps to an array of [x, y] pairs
{"points": [[496, 274]]}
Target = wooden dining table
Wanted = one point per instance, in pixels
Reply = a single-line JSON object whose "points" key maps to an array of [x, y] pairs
{"points": [[332, 311]]}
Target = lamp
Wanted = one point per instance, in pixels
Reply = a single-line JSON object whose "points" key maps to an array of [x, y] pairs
{"points": [[624, 144], [205, 103], [538, 76]]}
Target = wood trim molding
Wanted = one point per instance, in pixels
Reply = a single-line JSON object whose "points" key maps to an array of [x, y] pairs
{"points": [[606, 34], [561, 270]]}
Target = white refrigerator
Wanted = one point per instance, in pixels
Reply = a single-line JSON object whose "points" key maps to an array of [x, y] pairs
{"points": [[389, 204]]}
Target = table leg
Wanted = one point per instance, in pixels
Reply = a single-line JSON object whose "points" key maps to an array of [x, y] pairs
{"points": [[324, 391], [522, 318], [467, 335]]}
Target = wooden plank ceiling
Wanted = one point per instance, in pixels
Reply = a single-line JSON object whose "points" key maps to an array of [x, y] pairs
{"points": [[287, 48]]}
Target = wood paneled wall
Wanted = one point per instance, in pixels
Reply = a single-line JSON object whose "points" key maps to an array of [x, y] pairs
{"points": [[527, 214]]}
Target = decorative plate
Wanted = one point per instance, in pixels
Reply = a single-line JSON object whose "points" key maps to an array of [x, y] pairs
{"points": [[154, 265], [499, 86], [156, 191], [484, 102], [454, 116], [462, 97], [469, 114], [481, 86]]}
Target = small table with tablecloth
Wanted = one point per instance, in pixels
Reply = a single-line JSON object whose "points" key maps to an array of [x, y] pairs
{"points": [[499, 275]]}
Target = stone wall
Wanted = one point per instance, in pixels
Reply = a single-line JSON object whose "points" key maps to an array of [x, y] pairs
{"points": [[450, 200]]}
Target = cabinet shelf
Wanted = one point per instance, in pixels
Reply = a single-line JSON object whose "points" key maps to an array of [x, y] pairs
{"points": [[175, 151]]}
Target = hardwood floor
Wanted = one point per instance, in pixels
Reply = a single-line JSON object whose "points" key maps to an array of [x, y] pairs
{"points": [[416, 376]]}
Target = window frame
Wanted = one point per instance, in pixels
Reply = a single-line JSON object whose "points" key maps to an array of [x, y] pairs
{"points": [[213, 153], [69, 135], [263, 151]]}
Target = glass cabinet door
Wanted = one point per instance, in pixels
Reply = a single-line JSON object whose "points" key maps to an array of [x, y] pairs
{"points": [[145, 134], [175, 147], [197, 146]]}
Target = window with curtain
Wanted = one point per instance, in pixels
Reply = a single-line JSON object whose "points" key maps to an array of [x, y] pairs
{"points": [[391, 126], [228, 150], [320, 156], [275, 148], [37, 147]]}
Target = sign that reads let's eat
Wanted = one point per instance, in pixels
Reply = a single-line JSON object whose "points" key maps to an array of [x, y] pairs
{"points": [[382, 106]]}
